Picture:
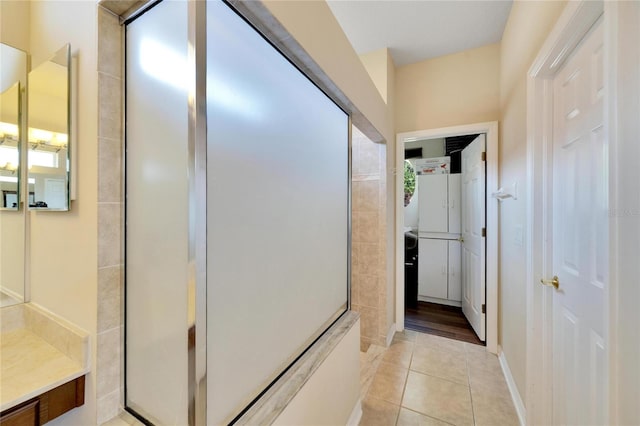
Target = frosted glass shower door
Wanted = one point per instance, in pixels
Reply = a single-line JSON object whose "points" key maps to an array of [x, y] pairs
{"points": [[157, 214], [277, 213]]}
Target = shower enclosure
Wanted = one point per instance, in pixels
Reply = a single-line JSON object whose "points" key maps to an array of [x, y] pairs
{"points": [[237, 213]]}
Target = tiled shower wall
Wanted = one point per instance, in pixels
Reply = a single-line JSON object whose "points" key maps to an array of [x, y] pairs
{"points": [[368, 256], [109, 367]]}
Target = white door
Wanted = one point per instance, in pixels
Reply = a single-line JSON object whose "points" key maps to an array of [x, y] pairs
{"points": [[432, 203], [454, 289], [55, 194], [580, 238], [473, 224], [432, 268], [454, 188]]}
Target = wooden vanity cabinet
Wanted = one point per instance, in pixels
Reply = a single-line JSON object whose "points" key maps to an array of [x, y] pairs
{"points": [[46, 407]]}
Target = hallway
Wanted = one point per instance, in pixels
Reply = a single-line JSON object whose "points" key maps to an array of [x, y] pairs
{"points": [[423, 379]]}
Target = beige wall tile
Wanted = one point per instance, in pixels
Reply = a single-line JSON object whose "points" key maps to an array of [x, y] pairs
{"points": [[109, 107], [109, 43], [109, 406], [369, 322], [120, 6], [365, 227], [109, 170], [108, 368], [369, 291], [109, 298], [356, 284], [109, 234]]}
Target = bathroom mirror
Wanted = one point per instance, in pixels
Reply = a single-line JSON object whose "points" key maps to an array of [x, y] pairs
{"points": [[13, 76], [10, 147], [49, 130]]}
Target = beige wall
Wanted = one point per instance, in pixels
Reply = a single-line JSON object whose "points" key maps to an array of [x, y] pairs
{"points": [[456, 89], [376, 65], [63, 245], [528, 26], [14, 23]]}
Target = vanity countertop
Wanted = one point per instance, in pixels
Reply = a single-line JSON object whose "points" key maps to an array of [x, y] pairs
{"points": [[29, 366]]}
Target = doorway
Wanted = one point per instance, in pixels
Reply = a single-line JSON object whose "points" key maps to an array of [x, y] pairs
{"points": [[438, 307]]}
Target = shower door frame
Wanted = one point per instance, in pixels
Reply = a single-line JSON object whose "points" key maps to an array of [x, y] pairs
{"points": [[255, 16], [197, 195]]}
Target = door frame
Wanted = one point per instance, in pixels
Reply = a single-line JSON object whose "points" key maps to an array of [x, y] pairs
{"points": [[491, 130], [572, 25]]}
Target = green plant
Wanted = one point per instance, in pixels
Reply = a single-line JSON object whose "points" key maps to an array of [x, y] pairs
{"points": [[409, 179]]}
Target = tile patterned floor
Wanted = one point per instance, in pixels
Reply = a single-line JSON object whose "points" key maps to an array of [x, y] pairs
{"points": [[427, 380]]}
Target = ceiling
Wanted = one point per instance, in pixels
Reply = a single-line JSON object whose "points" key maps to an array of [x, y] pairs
{"points": [[418, 30]]}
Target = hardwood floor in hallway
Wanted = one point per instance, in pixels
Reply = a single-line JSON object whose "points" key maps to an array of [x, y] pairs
{"points": [[441, 320], [422, 379]]}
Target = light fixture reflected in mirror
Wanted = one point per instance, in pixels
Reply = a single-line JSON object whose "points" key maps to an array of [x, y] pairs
{"points": [[48, 136]]}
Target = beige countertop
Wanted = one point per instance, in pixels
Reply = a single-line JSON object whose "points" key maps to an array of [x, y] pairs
{"points": [[29, 366]]}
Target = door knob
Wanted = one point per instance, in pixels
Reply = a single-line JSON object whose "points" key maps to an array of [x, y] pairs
{"points": [[554, 282]]}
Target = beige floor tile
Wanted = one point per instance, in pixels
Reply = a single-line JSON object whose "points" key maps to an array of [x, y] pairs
{"points": [[388, 383], [493, 410], [411, 418], [408, 335], [438, 342], [484, 361], [472, 348], [369, 363], [440, 363], [399, 352], [376, 412], [488, 380], [438, 398]]}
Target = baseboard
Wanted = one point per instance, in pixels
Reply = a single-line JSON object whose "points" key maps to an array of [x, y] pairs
{"points": [[513, 389], [356, 414], [391, 333], [12, 294]]}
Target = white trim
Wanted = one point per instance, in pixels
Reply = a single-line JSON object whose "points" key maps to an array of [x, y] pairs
{"points": [[622, 120], [356, 414], [390, 334], [491, 130], [439, 301], [574, 22], [513, 389]]}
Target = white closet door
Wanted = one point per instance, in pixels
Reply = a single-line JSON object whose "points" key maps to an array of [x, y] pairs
{"points": [[474, 245], [432, 268], [454, 186], [432, 203], [455, 267]]}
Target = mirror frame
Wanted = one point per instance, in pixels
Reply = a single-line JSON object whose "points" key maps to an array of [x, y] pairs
{"points": [[61, 57]]}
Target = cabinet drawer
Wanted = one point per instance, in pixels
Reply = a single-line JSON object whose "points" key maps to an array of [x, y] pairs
{"points": [[26, 414], [47, 406]]}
